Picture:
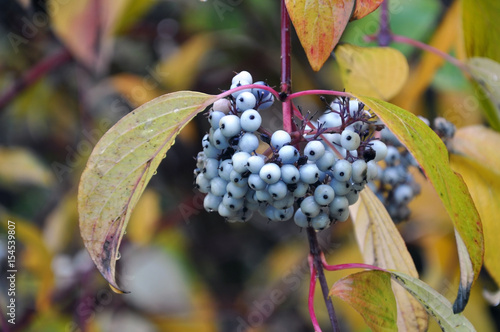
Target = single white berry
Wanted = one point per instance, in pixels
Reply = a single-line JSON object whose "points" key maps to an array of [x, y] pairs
{"points": [[218, 186], [339, 205], [225, 168], [342, 170], [245, 101], [255, 163], [300, 219], [324, 194], [309, 173], [359, 171], [219, 140], [309, 207], [248, 143], [214, 118], [350, 140], [278, 190], [321, 221], [301, 190], [326, 161], [290, 174], [230, 125], [283, 214], [202, 183], [234, 191], [211, 202], [280, 138], [250, 120], [314, 150], [242, 76], [403, 194], [340, 187], [240, 160], [270, 173], [288, 154], [330, 120], [256, 183], [352, 197], [392, 156]]}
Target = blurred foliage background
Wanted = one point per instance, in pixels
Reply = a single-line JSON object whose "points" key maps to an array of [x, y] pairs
{"points": [[70, 69]]}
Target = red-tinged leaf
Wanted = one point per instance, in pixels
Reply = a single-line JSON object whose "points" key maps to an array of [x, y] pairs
{"points": [[382, 245], [120, 167], [432, 155], [319, 25], [365, 7], [370, 294]]}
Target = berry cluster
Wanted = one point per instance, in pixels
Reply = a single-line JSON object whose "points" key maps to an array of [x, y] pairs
{"points": [[312, 174], [395, 185]]}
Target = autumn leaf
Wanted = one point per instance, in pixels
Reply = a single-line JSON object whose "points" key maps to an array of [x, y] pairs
{"points": [[382, 245], [365, 7], [120, 167], [370, 294], [432, 155], [319, 26], [372, 71]]}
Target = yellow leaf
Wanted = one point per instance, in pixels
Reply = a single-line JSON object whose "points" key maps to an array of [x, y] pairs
{"points": [[319, 26], [382, 245], [138, 90], [145, 218], [486, 73], [481, 29], [484, 187], [480, 144], [19, 166], [61, 223], [370, 294], [432, 155], [365, 7], [421, 76], [120, 167], [372, 71], [178, 72]]}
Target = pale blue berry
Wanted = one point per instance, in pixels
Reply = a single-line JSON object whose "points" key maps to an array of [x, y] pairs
{"points": [[245, 101], [314, 150], [250, 120], [309, 173], [342, 170], [270, 173], [288, 154], [324, 194], [280, 138], [248, 143], [230, 125], [309, 207], [290, 174]]}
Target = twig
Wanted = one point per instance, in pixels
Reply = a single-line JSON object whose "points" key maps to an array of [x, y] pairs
{"points": [[384, 36], [318, 265], [312, 288], [33, 75], [286, 67]]}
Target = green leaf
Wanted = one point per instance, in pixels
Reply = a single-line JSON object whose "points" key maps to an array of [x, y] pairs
{"points": [[370, 294], [481, 29], [120, 167], [377, 72], [486, 74], [432, 155], [319, 26], [382, 245], [435, 304]]}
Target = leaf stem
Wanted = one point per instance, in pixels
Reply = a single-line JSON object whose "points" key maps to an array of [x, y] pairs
{"points": [[319, 92], [431, 49], [33, 75], [339, 267], [312, 288], [286, 67], [384, 36], [315, 252]]}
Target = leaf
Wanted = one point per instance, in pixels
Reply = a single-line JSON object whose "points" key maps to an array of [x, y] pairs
{"points": [[484, 185], [365, 7], [372, 71], [178, 72], [319, 25], [382, 245], [20, 166], [120, 167], [481, 29], [486, 73], [435, 304], [370, 294], [431, 154], [420, 77], [480, 144]]}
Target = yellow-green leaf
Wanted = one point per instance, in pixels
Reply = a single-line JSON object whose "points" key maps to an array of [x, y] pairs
{"points": [[19, 166], [480, 144], [486, 73], [382, 245], [319, 25], [435, 304], [484, 186], [370, 294], [120, 167], [378, 72], [481, 29], [365, 7], [432, 155]]}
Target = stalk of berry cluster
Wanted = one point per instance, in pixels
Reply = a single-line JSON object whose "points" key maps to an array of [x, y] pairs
{"points": [[286, 90]]}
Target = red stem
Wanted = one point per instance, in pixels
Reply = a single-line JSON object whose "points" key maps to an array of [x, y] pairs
{"points": [[339, 267], [33, 75], [312, 288], [286, 67]]}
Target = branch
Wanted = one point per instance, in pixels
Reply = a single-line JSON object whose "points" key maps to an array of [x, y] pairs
{"points": [[286, 67], [384, 36], [318, 266], [33, 75]]}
